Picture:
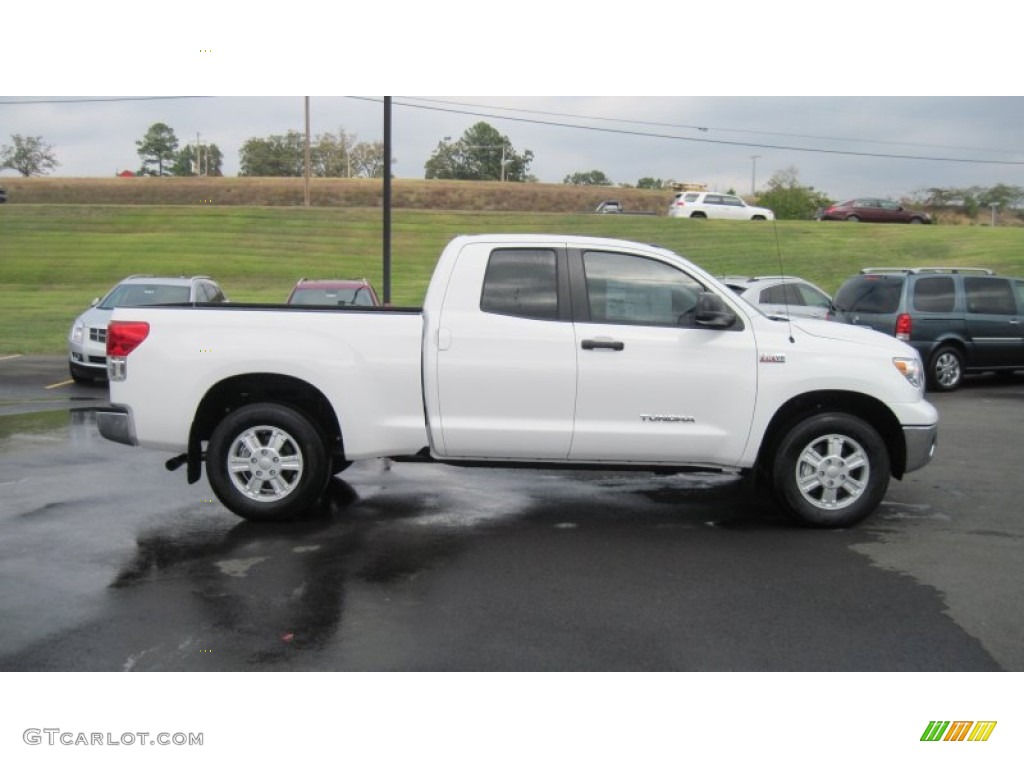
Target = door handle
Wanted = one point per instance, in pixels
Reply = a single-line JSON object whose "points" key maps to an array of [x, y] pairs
{"points": [[616, 346]]}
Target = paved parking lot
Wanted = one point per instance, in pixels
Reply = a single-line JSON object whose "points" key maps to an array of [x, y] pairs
{"points": [[109, 562]]}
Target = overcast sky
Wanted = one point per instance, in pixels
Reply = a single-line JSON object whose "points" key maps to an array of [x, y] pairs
{"points": [[843, 146], [857, 104]]}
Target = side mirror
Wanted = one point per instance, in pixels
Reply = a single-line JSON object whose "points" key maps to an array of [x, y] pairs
{"points": [[712, 312], [94, 302]]}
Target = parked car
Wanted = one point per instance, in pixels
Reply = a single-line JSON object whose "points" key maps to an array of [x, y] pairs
{"points": [[715, 205], [3, 195], [334, 293], [783, 295], [609, 206], [960, 320], [875, 210], [87, 341]]}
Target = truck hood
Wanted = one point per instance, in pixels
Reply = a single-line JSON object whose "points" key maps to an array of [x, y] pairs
{"points": [[856, 334]]}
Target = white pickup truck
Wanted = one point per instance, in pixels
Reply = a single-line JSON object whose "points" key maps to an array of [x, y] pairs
{"points": [[529, 350]]}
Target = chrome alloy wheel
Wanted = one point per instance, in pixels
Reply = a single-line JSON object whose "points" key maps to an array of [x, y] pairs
{"points": [[947, 370], [833, 471], [265, 463]]}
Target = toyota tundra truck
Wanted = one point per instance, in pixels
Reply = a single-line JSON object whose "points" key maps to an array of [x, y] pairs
{"points": [[529, 351]]}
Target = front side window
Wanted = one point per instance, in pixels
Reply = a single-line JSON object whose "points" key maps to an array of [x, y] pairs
{"points": [[934, 294], [521, 282], [623, 289], [726, 200], [989, 296]]}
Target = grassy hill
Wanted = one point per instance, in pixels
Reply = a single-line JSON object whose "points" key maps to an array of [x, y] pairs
{"points": [[55, 258]]}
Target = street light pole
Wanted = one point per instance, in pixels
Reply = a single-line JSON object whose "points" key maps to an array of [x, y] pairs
{"points": [[753, 174]]}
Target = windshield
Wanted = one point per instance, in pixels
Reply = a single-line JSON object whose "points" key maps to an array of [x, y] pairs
{"points": [[337, 297], [143, 294]]}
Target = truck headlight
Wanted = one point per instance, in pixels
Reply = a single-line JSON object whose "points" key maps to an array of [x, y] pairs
{"points": [[910, 367], [77, 332]]}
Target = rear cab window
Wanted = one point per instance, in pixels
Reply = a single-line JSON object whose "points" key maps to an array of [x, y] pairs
{"points": [[521, 282]]}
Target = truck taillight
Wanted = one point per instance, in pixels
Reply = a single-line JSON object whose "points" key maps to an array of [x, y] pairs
{"points": [[903, 325], [123, 336]]}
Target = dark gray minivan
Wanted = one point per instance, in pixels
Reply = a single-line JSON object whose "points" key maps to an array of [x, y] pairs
{"points": [[960, 320]]}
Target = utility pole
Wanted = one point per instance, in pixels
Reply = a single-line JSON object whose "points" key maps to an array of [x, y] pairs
{"points": [[306, 158], [387, 201], [753, 175]]}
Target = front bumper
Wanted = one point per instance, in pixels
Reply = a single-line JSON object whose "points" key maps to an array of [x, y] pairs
{"points": [[116, 423], [920, 445]]}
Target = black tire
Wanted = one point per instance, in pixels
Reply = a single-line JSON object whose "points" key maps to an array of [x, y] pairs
{"points": [[853, 217], [916, 220], [267, 461], [831, 470], [945, 369], [758, 218], [698, 215]]}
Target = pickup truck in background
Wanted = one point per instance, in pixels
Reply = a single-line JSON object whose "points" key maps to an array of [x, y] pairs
{"points": [[529, 350]]}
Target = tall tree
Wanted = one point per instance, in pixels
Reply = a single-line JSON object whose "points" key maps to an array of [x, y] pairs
{"points": [[789, 199], [275, 155], [210, 161], [331, 154], [157, 147], [588, 179], [482, 153], [28, 155]]}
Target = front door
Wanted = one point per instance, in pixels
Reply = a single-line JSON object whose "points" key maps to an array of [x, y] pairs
{"points": [[653, 386]]}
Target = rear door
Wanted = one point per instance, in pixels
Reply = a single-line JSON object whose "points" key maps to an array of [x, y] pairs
{"points": [[652, 385], [506, 355], [993, 322]]}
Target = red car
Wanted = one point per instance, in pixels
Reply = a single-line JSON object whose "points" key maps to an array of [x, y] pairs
{"points": [[334, 293], [874, 210]]}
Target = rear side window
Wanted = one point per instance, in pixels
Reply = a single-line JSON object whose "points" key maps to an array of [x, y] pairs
{"points": [[521, 282], [934, 294], [989, 296], [873, 295], [782, 294]]}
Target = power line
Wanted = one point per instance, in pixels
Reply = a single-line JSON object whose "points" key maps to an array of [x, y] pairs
{"points": [[105, 99], [756, 145], [703, 128]]}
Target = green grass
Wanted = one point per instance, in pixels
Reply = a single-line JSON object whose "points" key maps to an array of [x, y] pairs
{"points": [[54, 259]]}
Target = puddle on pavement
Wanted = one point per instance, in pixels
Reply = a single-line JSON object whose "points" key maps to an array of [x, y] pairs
{"points": [[47, 426]]}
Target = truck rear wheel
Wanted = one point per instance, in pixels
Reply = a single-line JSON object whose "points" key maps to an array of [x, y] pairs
{"points": [[266, 461], [831, 470]]}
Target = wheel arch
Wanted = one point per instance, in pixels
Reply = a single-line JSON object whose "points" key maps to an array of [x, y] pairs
{"points": [[865, 407], [236, 391]]}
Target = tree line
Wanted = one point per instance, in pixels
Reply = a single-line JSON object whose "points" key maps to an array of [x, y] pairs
{"points": [[481, 153]]}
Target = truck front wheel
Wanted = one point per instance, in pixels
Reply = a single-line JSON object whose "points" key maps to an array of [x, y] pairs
{"points": [[266, 461], [831, 470]]}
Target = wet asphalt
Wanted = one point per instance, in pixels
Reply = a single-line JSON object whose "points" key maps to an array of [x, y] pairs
{"points": [[109, 562]]}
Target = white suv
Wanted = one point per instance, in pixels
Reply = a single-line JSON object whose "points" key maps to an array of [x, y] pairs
{"points": [[87, 341], [715, 205]]}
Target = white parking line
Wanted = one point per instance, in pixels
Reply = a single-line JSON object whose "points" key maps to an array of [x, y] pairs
{"points": [[9, 357]]}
